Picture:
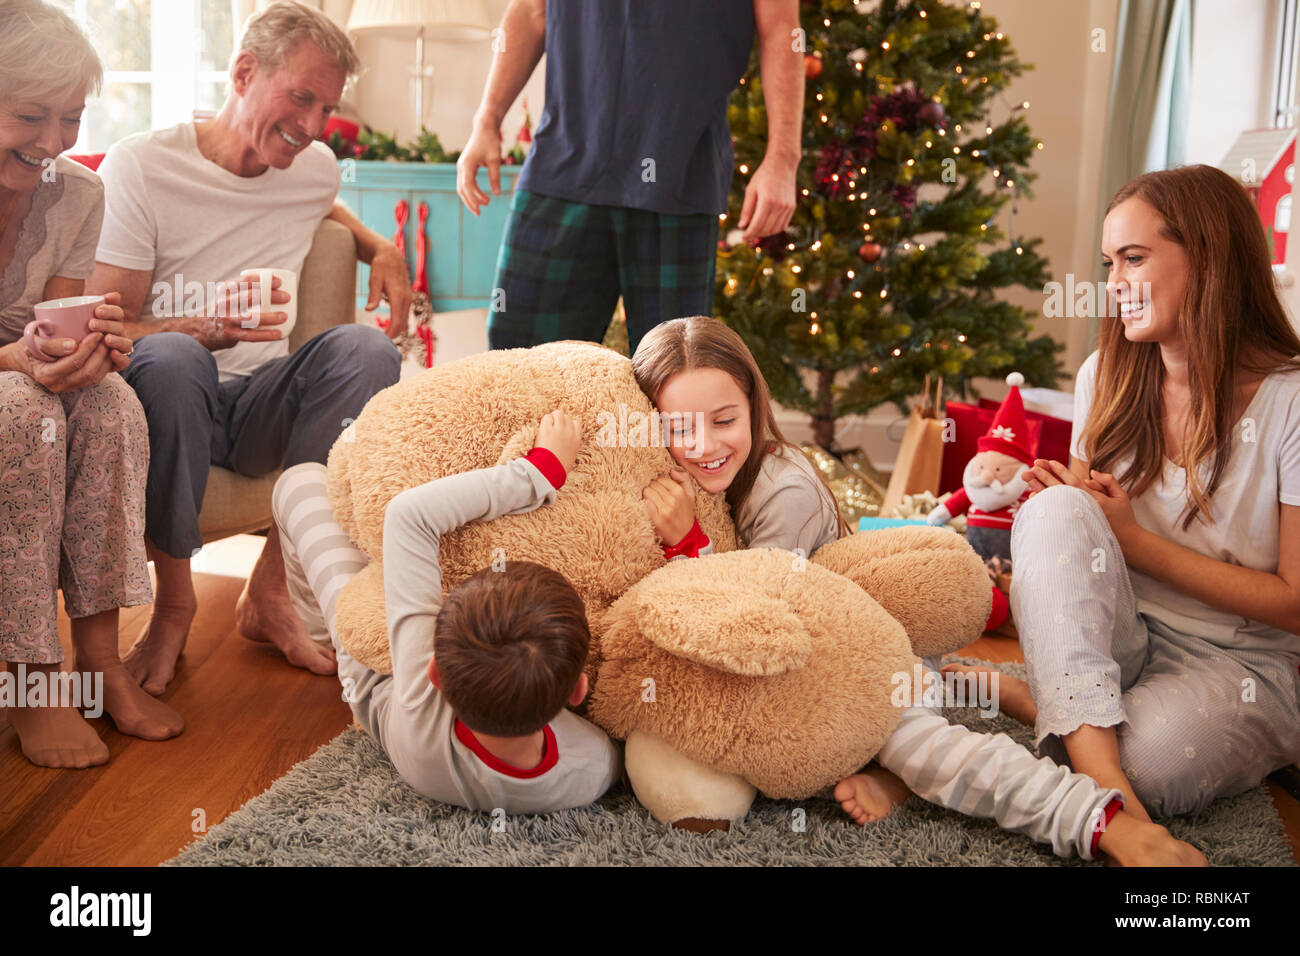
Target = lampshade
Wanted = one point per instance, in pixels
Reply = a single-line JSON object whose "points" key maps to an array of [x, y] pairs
{"points": [[467, 18]]}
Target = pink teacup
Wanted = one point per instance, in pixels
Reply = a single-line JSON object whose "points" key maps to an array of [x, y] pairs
{"points": [[60, 319]]}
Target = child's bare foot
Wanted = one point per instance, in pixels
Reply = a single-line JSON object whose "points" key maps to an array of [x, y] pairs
{"points": [[134, 711], [1130, 841], [151, 661], [1014, 698], [57, 737], [870, 795]]}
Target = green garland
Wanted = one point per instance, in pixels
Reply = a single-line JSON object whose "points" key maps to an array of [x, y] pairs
{"points": [[426, 148]]}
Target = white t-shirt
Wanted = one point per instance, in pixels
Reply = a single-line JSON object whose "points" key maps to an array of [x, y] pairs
{"points": [[1263, 470], [170, 211]]}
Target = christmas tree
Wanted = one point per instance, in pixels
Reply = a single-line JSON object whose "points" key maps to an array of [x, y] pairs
{"points": [[904, 230]]}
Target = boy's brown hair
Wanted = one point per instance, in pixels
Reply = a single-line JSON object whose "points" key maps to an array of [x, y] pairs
{"points": [[510, 646]]}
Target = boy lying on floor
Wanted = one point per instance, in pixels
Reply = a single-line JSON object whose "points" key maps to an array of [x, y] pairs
{"points": [[474, 712]]}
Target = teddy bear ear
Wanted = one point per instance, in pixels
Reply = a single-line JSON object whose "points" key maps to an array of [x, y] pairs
{"points": [[723, 625]]}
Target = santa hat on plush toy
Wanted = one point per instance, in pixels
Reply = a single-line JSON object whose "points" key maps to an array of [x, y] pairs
{"points": [[1009, 433]]}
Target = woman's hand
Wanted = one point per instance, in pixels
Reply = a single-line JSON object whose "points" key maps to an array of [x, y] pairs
{"points": [[86, 366], [1044, 474], [1103, 488], [561, 435], [1115, 505], [108, 320], [105, 348], [670, 503]]}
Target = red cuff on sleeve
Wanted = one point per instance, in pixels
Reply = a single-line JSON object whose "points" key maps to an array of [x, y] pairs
{"points": [[1112, 808], [691, 545], [546, 462]]}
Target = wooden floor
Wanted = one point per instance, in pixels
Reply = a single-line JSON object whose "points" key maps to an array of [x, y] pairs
{"points": [[250, 717]]}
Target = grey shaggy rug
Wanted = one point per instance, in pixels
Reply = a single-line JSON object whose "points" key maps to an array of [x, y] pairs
{"points": [[346, 806]]}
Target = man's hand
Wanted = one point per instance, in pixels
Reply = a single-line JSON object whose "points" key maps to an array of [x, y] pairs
{"points": [[390, 279], [235, 315], [561, 435], [670, 503], [769, 200], [483, 149]]}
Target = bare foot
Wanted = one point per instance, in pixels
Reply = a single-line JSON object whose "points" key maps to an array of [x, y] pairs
{"points": [[1130, 841], [871, 795], [57, 737], [267, 614], [1014, 698], [151, 661], [134, 712]]}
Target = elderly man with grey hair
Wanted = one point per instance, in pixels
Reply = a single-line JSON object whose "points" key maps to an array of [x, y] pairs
{"points": [[205, 202]]}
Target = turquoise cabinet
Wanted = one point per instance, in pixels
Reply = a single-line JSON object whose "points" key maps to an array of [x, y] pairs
{"points": [[462, 249]]}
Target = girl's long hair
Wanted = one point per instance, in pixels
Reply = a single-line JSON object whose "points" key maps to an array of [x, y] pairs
{"points": [[1231, 323], [704, 342]]}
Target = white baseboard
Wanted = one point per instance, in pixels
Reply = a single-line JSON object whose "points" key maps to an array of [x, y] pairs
{"points": [[878, 433]]}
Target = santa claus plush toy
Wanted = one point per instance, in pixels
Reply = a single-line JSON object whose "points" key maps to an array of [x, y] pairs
{"points": [[992, 489]]}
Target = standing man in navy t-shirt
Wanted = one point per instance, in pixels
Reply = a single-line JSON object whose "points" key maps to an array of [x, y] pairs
{"points": [[632, 160]]}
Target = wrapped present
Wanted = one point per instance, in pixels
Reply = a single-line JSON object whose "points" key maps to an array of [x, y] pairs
{"points": [[918, 506], [1054, 432], [878, 524], [1049, 437]]}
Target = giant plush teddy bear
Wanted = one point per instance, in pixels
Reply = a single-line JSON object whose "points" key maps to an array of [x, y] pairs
{"points": [[729, 674]]}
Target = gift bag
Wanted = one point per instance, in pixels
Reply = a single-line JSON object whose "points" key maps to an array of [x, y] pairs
{"points": [[920, 456]]}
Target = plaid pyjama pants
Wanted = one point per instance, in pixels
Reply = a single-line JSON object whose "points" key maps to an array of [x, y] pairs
{"points": [[563, 265]]}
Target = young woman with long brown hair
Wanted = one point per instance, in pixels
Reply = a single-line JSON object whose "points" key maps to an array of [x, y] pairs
{"points": [[1157, 578]]}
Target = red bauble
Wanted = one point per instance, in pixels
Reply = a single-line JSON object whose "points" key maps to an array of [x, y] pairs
{"points": [[932, 114], [722, 244], [812, 66], [870, 251]]}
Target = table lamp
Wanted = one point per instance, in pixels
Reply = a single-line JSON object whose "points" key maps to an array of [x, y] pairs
{"points": [[449, 19]]}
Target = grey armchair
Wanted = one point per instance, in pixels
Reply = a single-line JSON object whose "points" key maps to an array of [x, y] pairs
{"points": [[236, 504]]}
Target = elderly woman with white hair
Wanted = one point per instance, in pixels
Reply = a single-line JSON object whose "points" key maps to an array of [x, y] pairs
{"points": [[74, 445]]}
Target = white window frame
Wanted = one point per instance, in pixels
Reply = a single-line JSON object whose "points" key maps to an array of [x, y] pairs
{"points": [[175, 44], [1287, 86]]}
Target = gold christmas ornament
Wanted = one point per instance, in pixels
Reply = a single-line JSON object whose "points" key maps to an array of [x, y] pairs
{"points": [[855, 496]]}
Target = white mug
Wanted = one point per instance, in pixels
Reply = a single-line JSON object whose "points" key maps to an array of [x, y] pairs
{"points": [[288, 283]]}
